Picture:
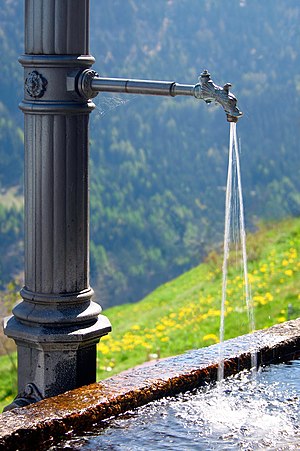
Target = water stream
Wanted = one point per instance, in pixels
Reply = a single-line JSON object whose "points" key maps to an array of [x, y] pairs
{"points": [[234, 229]]}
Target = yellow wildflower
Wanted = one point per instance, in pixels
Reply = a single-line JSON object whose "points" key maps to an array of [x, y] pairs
{"points": [[281, 319], [260, 299], [179, 326], [160, 327], [213, 312], [135, 327], [211, 337], [263, 268], [251, 278], [104, 349]]}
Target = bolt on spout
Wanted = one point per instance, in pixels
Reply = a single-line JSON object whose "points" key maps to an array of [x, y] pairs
{"points": [[208, 91]]}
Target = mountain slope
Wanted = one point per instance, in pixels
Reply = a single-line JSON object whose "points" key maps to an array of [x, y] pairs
{"points": [[158, 165], [185, 313]]}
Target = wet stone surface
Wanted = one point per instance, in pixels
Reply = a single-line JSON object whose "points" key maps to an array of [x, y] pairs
{"points": [[48, 420]]}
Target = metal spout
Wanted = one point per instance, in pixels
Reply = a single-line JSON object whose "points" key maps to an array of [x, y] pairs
{"points": [[88, 84], [208, 91]]}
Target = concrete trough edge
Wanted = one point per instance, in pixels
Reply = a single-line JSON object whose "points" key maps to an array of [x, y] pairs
{"points": [[49, 420]]}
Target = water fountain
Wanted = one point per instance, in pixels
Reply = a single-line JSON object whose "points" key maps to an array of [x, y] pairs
{"points": [[40, 424], [57, 326]]}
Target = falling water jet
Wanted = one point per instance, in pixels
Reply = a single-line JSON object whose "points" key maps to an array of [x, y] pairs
{"points": [[226, 254], [248, 296], [233, 157]]}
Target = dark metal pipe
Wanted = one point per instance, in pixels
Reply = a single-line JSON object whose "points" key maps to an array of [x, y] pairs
{"points": [[147, 87], [89, 84]]}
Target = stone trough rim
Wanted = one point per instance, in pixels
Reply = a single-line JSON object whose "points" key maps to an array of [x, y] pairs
{"points": [[50, 419]]}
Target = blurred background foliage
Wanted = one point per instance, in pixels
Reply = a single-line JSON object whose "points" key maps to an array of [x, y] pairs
{"points": [[158, 166]]}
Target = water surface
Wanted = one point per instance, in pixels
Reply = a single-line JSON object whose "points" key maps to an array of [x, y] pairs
{"points": [[240, 413]]}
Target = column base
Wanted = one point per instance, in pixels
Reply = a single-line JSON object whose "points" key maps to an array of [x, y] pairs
{"points": [[55, 359]]}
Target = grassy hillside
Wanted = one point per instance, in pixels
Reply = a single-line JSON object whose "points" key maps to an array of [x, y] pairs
{"points": [[184, 313]]}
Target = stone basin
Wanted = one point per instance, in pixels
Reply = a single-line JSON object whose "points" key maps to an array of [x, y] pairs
{"points": [[49, 420]]}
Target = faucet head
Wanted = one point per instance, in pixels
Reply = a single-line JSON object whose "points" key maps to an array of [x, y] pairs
{"points": [[207, 90], [229, 105]]}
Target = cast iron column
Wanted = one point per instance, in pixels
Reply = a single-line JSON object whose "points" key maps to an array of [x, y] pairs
{"points": [[56, 326]]}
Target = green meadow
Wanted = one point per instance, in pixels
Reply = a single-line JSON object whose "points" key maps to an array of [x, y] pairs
{"points": [[184, 313]]}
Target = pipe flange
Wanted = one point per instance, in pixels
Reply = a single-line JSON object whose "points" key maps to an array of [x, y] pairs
{"points": [[84, 84]]}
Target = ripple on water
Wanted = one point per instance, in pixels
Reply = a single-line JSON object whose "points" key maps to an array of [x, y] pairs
{"points": [[240, 413]]}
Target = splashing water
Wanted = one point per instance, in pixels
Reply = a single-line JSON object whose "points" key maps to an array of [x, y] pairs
{"points": [[235, 226], [250, 414]]}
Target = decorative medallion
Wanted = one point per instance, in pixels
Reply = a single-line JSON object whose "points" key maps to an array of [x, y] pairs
{"points": [[35, 84]]}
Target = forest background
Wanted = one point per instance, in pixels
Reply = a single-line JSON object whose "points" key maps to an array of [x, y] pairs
{"points": [[158, 166]]}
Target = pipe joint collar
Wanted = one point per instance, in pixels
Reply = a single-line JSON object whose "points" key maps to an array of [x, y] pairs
{"points": [[83, 83]]}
